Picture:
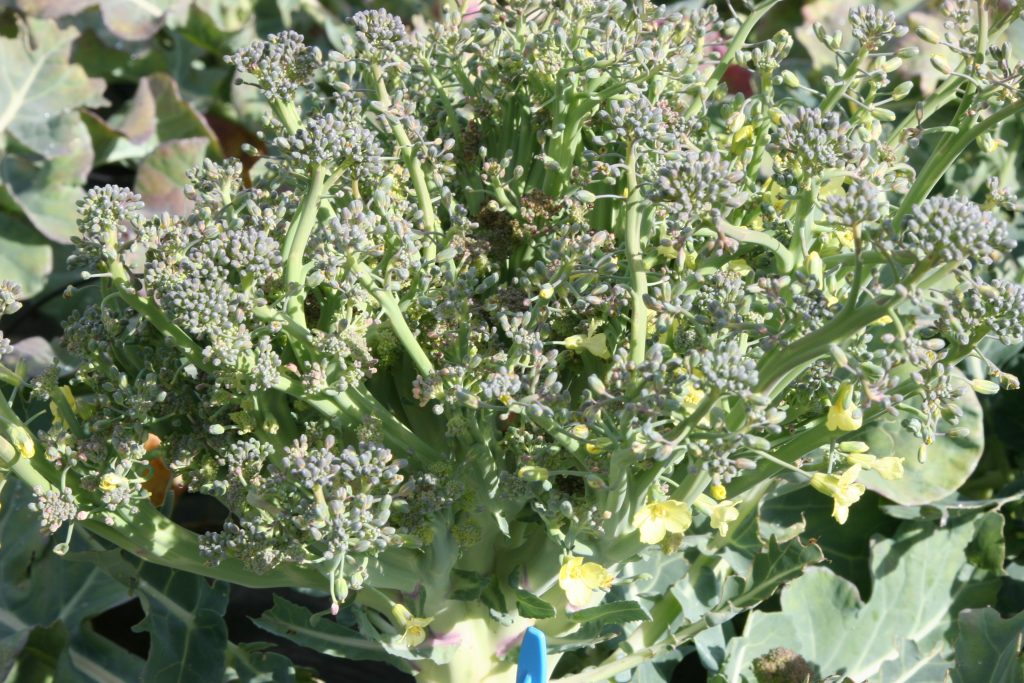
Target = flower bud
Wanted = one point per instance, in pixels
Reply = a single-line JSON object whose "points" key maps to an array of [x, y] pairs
{"points": [[902, 90], [853, 447], [984, 386], [580, 431], [928, 35], [533, 473], [941, 64], [790, 79]]}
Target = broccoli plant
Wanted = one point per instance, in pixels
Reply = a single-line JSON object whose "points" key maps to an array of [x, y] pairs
{"points": [[522, 303]]}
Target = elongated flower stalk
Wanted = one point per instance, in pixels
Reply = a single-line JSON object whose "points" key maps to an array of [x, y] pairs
{"points": [[514, 304]]}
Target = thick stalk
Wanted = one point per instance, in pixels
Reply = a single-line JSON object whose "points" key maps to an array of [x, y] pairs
{"points": [[482, 640]]}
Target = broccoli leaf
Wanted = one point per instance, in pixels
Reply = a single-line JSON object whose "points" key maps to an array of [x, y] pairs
{"points": [[921, 579]]}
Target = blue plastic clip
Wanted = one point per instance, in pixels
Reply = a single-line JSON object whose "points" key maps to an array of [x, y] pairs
{"points": [[533, 658]]}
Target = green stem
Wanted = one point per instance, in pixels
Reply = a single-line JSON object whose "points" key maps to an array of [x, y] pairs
{"points": [[783, 255], [637, 270], [405, 335], [937, 164], [154, 538], [735, 45], [840, 88], [295, 243], [412, 164]]}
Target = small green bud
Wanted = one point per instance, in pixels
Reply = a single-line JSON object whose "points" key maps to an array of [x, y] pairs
{"points": [[908, 52], [883, 115], [958, 432], [853, 447], [902, 90], [871, 370], [759, 442], [597, 386], [790, 79], [941, 64], [891, 64], [984, 386], [216, 430], [928, 35]]}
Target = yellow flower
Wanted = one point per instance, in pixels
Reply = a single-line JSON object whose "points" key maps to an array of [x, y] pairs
{"points": [[654, 520], [547, 291], [717, 491], [415, 627], [844, 490], [533, 473], [23, 441], [738, 266], [721, 513], [890, 467], [109, 482], [580, 579], [844, 414], [596, 344]]}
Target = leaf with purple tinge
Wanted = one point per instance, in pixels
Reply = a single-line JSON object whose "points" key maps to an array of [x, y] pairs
{"points": [[162, 175]]}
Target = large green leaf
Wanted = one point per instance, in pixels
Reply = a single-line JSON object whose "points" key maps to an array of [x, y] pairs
{"points": [[25, 257], [188, 639], [988, 649], [922, 578], [47, 190], [39, 83], [950, 460], [45, 604], [810, 514]]}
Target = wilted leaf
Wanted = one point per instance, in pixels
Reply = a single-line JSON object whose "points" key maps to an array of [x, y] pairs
{"points": [[161, 177], [25, 257], [845, 547], [921, 579], [40, 84]]}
